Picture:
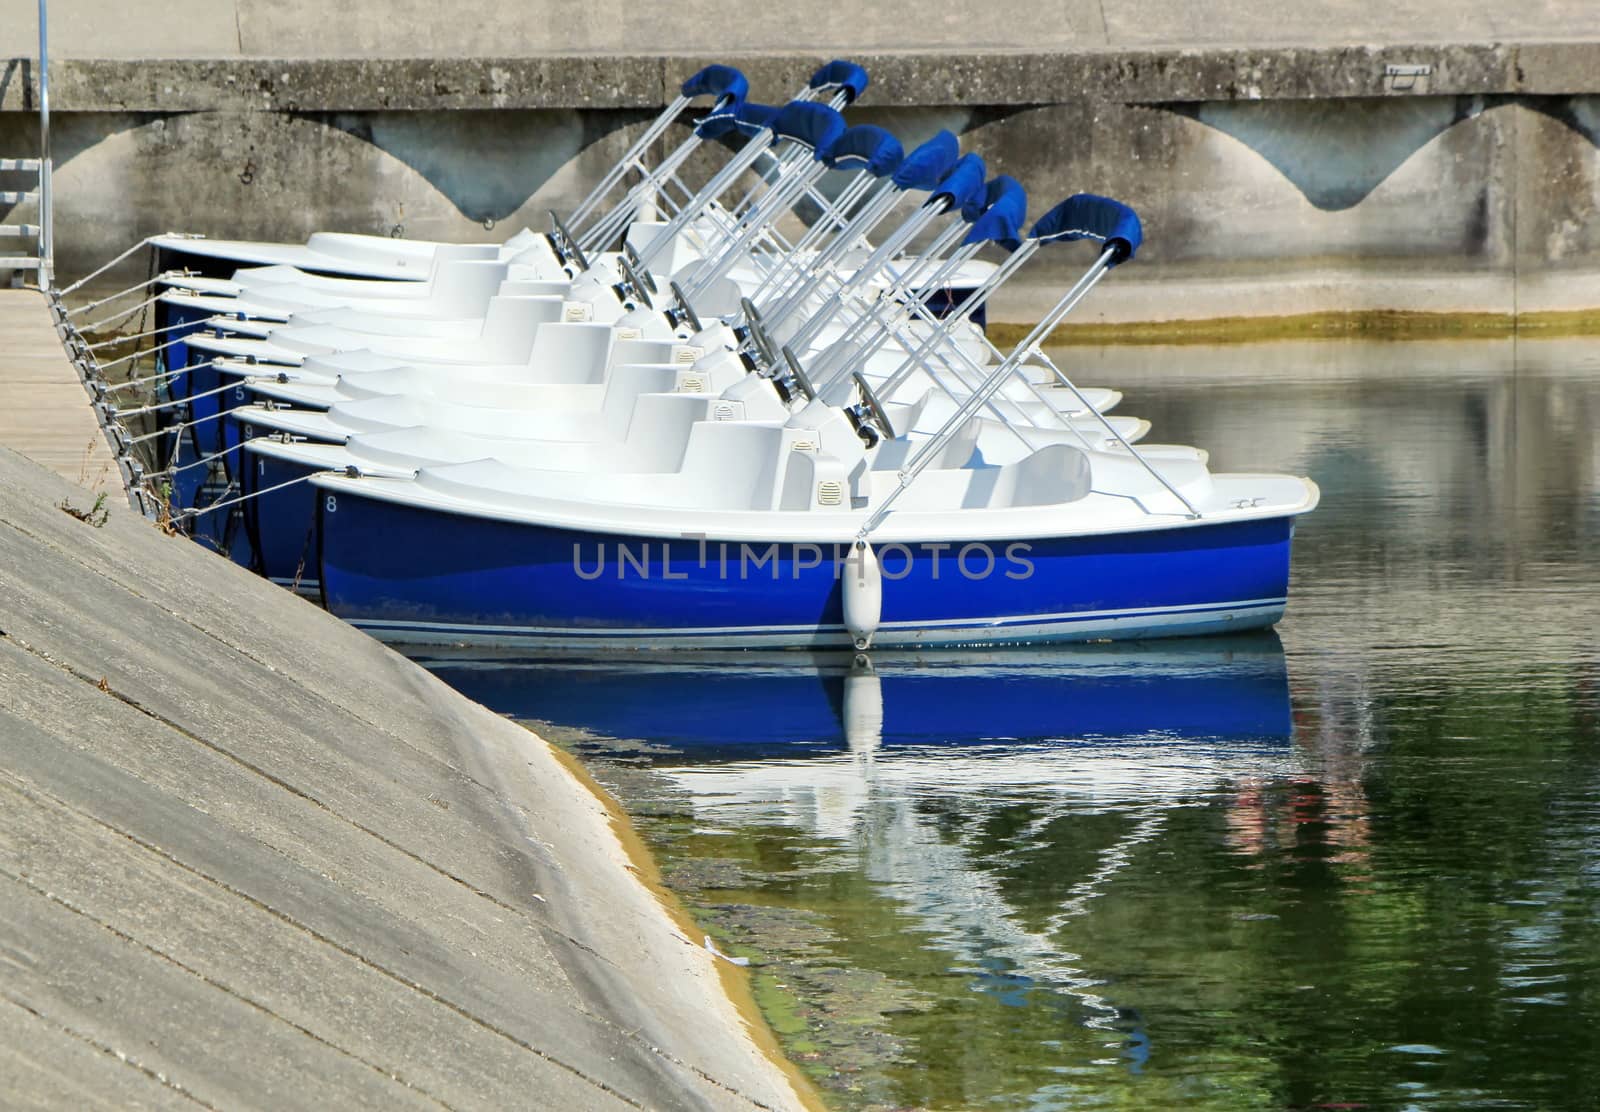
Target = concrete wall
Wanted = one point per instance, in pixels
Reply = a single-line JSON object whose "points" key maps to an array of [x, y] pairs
{"points": [[1272, 178], [141, 29]]}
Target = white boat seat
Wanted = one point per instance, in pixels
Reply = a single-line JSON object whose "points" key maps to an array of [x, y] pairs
{"points": [[956, 452], [1053, 474], [570, 352]]}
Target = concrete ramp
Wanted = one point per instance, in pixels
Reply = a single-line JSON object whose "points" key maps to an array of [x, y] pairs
{"points": [[250, 857]]}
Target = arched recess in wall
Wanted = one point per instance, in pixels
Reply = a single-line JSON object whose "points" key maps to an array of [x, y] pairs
{"points": [[493, 165], [71, 134], [1580, 113], [1335, 152]]}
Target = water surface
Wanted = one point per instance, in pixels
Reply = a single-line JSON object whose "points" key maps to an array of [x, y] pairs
{"points": [[1352, 864]]}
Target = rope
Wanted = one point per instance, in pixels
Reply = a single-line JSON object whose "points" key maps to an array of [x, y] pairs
{"points": [[118, 317], [159, 432], [161, 375], [169, 472], [132, 336], [194, 512], [142, 410], [131, 289], [93, 274], [103, 367], [305, 551]]}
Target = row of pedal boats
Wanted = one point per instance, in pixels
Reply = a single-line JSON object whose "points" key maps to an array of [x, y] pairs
{"points": [[705, 430]]}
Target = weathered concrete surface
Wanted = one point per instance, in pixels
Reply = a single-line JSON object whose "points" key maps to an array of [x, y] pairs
{"points": [[479, 28], [626, 78], [250, 857], [46, 414]]}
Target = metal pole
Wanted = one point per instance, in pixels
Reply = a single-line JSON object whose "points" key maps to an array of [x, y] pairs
{"points": [[47, 246], [925, 454]]}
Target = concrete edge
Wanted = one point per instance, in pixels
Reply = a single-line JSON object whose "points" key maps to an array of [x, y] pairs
{"points": [[735, 980], [911, 78]]}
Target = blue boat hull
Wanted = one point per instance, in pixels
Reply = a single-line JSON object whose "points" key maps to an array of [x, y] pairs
{"points": [[281, 525], [414, 575], [233, 431], [177, 324]]}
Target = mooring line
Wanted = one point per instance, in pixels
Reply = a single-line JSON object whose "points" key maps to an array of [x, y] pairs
{"points": [[135, 288], [132, 336], [142, 437], [142, 410], [194, 512], [113, 388], [119, 316], [93, 274], [169, 472], [140, 354]]}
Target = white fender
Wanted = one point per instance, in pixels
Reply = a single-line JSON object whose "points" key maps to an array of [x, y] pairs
{"points": [[863, 594]]}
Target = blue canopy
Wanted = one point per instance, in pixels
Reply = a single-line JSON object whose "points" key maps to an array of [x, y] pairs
{"points": [[1002, 219], [866, 147], [816, 125], [962, 184], [925, 167], [978, 202], [717, 82], [747, 117], [1086, 216], [842, 75]]}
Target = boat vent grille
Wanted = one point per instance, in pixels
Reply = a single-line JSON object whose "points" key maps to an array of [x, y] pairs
{"points": [[691, 384], [686, 353], [803, 446], [722, 411], [630, 334], [830, 492], [577, 312]]}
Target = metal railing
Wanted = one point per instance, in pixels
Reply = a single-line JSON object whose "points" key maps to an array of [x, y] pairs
{"points": [[44, 231], [78, 348], [47, 208]]}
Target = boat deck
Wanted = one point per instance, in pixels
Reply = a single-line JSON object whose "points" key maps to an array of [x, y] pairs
{"points": [[44, 412]]}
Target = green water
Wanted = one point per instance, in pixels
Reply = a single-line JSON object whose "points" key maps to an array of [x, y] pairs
{"points": [[1353, 865]]}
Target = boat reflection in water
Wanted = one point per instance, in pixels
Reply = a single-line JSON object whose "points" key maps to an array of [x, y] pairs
{"points": [[866, 754], [753, 705]]}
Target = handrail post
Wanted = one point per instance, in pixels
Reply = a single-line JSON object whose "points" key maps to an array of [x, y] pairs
{"points": [[47, 231]]}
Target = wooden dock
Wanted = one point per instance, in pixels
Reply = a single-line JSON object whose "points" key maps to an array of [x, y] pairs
{"points": [[44, 411]]}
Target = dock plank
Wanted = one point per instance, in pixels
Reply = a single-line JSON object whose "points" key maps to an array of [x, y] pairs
{"points": [[44, 411]]}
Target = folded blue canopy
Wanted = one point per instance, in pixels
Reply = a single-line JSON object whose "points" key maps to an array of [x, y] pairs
{"points": [[842, 75], [925, 167], [717, 82], [1004, 214], [866, 147], [962, 185], [747, 117], [816, 125], [1087, 216]]}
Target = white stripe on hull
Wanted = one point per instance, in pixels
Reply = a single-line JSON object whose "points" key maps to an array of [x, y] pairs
{"points": [[1108, 624]]}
